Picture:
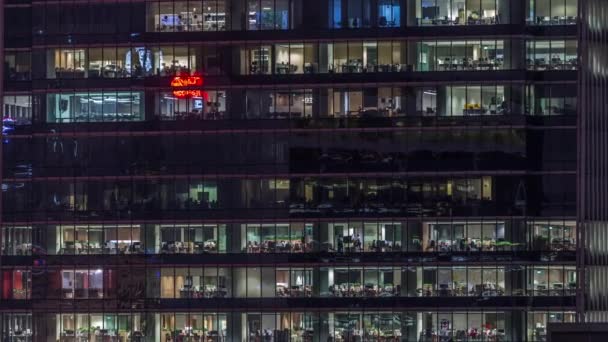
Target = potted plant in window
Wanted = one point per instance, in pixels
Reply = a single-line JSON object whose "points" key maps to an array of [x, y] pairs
{"points": [[83, 332]]}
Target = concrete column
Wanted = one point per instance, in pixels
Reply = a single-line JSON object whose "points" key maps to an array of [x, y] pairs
{"points": [[516, 231], [44, 326], [39, 61], [316, 236], [514, 325], [248, 103], [324, 328], [311, 55], [403, 228], [234, 244], [344, 104], [150, 24], [273, 60], [233, 59], [229, 193], [514, 95], [514, 279], [409, 282], [238, 15], [234, 322], [323, 56], [514, 54], [373, 13], [442, 108], [45, 237], [370, 97], [236, 105], [41, 278], [512, 12], [38, 108], [296, 14], [149, 325], [316, 282], [149, 237], [408, 104], [414, 230], [315, 14], [410, 13], [409, 331], [345, 15], [412, 55], [325, 235], [148, 105]]}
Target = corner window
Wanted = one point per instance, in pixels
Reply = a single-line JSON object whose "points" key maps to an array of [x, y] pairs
{"points": [[543, 55], [552, 12], [17, 111]]}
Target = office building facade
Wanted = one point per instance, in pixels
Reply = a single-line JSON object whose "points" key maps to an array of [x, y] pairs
{"points": [[289, 170]]}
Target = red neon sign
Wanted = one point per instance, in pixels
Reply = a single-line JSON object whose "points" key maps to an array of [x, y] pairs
{"points": [[187, 94], [187, 81]]}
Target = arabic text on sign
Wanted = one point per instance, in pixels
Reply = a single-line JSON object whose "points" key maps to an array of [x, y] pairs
{"points": [[187, 81]]}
